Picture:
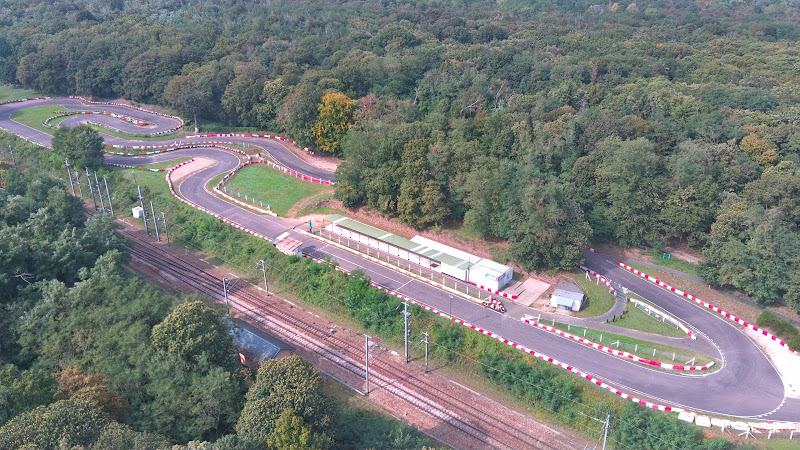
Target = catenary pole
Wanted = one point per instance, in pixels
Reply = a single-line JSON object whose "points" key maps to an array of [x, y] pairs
{"points": [[426, 351], [405, 322], [264, 269], [166, 231], [91, 189], [78, 182], [99, 191], [155, 224], [141, 204], [108, 193], [69, 175], [366, 363]]}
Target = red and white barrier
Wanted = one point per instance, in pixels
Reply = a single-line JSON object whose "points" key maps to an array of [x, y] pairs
{"points": [[613, 351], [293, 172], [200, 208], [181, 122], [669, 318], [536, 354], [599, 277], [705, 305], [134, 121], [25, 100]]}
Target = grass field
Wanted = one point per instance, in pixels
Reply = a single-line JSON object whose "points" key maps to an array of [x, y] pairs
{"points": [[636, 319], [645, 347], [33, 117], [10, 93], [677, 264], [598, 299], [279, 190]]}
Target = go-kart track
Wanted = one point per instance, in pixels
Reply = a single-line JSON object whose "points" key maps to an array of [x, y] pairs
{"points": [[745, 386]]}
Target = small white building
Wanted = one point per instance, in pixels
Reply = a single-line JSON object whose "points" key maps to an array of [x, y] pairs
{"points": [[567, 295], [288, 246], [138, 212]]}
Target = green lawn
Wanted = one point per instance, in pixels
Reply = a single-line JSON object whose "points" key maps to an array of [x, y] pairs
{"points": [[33, 117], [279, 190], [164, 164], [598, 299], [645, 348], [674, 263], [10, 93], [636, 319]]}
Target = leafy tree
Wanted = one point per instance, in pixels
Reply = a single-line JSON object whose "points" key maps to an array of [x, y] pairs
{"points": [[187, 95], [548, 228], [23, 390], [271, 102], [66, 423], [72, 383], [335, 115], [122, 437], [193, 331], [291, 433], [288, 383], [82, 146]]}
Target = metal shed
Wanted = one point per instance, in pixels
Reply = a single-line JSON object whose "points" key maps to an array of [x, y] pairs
{"points": [[567, 295]]}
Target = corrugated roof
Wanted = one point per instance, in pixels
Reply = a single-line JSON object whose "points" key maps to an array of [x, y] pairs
{"points": [[255, 341], [397, 241], [569, 286]]}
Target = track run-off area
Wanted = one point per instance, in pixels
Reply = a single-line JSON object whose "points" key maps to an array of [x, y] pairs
{"points": [[745, 385]]}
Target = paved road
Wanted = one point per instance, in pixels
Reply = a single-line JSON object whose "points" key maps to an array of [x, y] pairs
{"points": [[746, 386]]}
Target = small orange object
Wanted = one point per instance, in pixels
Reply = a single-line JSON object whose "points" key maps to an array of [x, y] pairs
{"points": [[659, 45]]}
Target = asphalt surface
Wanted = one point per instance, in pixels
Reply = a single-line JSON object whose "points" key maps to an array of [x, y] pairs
{"points": [[747, 385]]}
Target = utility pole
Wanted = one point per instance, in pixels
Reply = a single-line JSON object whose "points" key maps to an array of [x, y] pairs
{"points": [[155, 224], [605, 426], [264, 269], [166, 231], [78, 182], [12, 156], [405, 322], [99, 192], [108, 193], [89, 182], [425, 333], [69, 175], [225, 290], [141, 204], [366, 362]]}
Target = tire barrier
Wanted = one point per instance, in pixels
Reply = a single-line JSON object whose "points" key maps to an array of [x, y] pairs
{"points": [[266, 136], [24, 100], [615, 352], [180, 121], [294, 173], [706, 305], [59, 114], [666, 316], [592, 250]]}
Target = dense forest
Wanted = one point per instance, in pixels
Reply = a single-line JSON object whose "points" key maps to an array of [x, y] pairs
{"points": [[93, 357], [548, 125]]}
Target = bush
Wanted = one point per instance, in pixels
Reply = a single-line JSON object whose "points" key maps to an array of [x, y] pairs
{"points": [[779, 327]]}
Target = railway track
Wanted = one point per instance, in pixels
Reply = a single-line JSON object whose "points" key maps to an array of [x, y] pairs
{"points": [[397, 379]]}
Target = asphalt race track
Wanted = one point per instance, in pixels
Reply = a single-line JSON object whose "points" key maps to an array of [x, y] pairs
{"points": [[746, 386]]}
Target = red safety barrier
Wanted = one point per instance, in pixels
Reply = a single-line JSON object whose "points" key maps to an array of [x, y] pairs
{"points": [[612, 351], [705, 305]]}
